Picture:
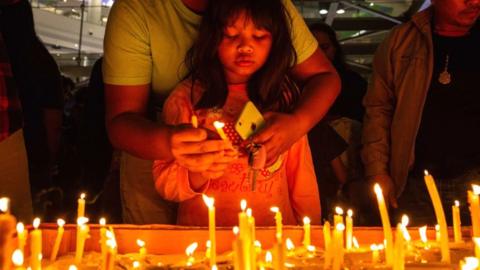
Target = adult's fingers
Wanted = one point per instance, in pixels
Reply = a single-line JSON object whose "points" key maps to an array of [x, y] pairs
{"points": [[187, 148], [199, 162]]}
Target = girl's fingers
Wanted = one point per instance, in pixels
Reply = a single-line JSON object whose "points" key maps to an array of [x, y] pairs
{"points": [[187, 148], [199, 162]]}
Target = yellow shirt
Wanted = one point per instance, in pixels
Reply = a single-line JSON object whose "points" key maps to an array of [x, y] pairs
{"points": [[146, 42]]}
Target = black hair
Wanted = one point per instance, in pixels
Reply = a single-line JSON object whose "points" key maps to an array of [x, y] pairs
{"points": [[269, 87], [339, 57]]}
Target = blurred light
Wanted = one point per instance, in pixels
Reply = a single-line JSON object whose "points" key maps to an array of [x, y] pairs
{"points": [[323, 11], [341, 11]]}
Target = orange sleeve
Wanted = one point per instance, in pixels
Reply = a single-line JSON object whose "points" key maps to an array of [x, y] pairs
{"points": [[171, 179], [302, 182]]}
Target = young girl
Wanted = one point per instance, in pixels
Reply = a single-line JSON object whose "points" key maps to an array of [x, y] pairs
{"points": [[243, 52]]}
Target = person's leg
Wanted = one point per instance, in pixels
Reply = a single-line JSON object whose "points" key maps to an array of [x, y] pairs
{"points": [[14, 176], [141, 204]]}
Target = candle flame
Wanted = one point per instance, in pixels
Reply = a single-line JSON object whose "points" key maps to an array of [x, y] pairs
{"points": [[236, 230], [257, 244], [423, 234], [405, 233], [136, 264], [4, 202], [437, 228], [111, 243], [380, 247], [140, 243], [102, 221], [274, 209], [289, 244], [378, 190], [249, 212], [82, 221], [60, 222], [355, 242], [36, 223], [306, 220], [476, 240], [426, 172], [405, 220], [476, 189], [218, 124], [243, 204], [82, 196], [194, 121], [191, 249], [209, 202], [340, 227], [20, 227], [457, 203], [214, 267], [208, 244], [470, 263], [72, 267], [349, 213], [311, 248], [373, 247], [109, 234], [339, 210], [17, 258], [268, 257]]}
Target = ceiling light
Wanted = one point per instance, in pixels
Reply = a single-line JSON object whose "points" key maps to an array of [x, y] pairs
{"points": [[341, 11], [323, 11]]}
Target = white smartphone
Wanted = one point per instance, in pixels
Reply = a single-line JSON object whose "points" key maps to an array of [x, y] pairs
{"points": [[250, 121]]}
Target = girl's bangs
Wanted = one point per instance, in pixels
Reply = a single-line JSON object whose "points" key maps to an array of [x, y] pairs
{"points": [[262, 17]]}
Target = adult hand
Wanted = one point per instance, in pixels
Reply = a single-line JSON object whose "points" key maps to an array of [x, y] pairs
{"points": [[192, 150], [281, 131], [388, 188]]}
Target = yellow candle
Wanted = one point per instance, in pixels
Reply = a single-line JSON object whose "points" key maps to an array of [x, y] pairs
{"points": [[111, 251], [437, 233], [349, 228], [219, 127], [475, 209], [268, 259], [422, 231], [142, 252], [387, 229], [210, 203], [399, 259], [17, 259], [36, 246], [338, 217], [21, 237], [406, 235], [194, 121], [7, 231], [327, 235], [338, 247], [103, 239], [476, 241], [189, 252], [58, 240], [279, 254], [278, 222], [457, 229], [238, 251], [469, 263], [244, 242], [437, 206], [81, 206], [244, 231], [251, 241], [82, 234], [375, 253], [306, 232]]}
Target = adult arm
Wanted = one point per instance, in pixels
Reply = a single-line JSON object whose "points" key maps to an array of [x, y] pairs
{"points": [[379, 105]]}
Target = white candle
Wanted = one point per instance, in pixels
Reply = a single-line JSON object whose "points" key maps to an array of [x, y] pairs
{"points": [[406, 235], [349, 228], [82, 235], [81, 206], [387, 229], [306, 232], [210, 203], [36, 246], [437, 206], [21, 237], [58, 239], [219, 127], [278, 222], [457, 229]]}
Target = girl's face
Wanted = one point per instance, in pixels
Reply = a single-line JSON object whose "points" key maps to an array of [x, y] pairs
{"points": [[244, 49]]}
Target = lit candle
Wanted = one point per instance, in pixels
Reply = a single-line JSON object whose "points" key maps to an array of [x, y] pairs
{"points": [[251, 250], [81, 206], [82, 235], [279, 254], [268, 259], [194, 121], [136, 264], [72, 267], [244, 230], [327, 241], [189, 252], [278, 222], [399, 259], [36, 246], [21, 237], [406, 235], [111, 251], [375, 253], [210, 203], [355, 243], [387, 229], [142, 252], [476, 241], [338, 217], [338, 250], [7, 231], [103, 239], [422, 231], [290, 247], [306, 232], [219, 127], [475, 209], [437, 206], [238, 251], [349, 228], [469, 263], [457, 229], [58, 240], [17, 259]]}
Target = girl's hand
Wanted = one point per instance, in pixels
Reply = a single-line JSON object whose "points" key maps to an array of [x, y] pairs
{"points": [[192, 150], [279, 134], [198, 180]]}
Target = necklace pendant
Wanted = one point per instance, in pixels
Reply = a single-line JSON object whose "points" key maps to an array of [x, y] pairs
{"points": [[445, 78]]}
